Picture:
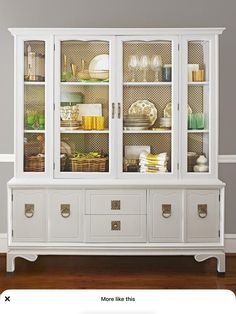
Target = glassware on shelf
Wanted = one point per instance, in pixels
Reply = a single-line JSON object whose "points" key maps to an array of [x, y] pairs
{"points": [[156, 64], [65, 75], [144, 65], [166, 73], [196, 121], [133, 65], [41, 120], [30, 119]]}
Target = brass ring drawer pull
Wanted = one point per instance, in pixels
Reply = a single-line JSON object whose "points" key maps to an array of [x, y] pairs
{"points": [[65, 210], [166, 210], [115, 225], [29, 210], [115, 205], [202, 210]]}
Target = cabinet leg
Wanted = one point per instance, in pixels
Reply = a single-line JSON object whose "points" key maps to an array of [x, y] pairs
{"points": [[10, 262], [12, 256], [220, 260]]}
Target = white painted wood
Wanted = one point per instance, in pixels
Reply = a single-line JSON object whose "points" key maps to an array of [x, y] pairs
{"points": [[99, 202], [60, 227], [220, 260], [227, 159], [117, 31], [29, 229], [202, 229], [11, 260], [3, 242], [132, 228], [161, 227]]}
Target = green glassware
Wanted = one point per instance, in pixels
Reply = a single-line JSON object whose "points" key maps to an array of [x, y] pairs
{"points": [[192, 121], [200, 120]]}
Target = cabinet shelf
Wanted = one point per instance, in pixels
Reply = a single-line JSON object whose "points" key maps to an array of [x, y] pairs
{"points": [[34, 83], [147, 131], [198, 83], [84, 83], [198, 131], [34, 131], [147, 83], [85, 131]]}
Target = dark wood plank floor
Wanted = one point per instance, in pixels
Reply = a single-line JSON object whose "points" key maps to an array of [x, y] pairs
{"points": [[109, 272]]}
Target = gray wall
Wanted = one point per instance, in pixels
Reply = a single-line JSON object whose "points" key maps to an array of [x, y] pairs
{"points": [[123, 13]]}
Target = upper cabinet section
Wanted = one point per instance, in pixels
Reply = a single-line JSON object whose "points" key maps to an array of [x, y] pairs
{"points": [[116, 103]]}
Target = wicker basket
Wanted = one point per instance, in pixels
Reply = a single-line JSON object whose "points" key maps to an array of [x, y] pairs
{"points": [[89, 164], [36, 163]]}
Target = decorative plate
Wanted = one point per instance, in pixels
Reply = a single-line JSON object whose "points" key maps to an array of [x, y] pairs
{"points": [[167, 110], [144, 107], [99, 63]]}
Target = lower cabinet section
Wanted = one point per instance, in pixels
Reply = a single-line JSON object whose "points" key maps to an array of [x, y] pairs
{"points": [[166, 216], [115, 215], [202, 216], [115, 228]]}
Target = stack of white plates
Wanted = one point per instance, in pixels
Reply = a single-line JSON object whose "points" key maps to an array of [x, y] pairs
{"points": [[70, 125], [136, 122], [165, 122]]}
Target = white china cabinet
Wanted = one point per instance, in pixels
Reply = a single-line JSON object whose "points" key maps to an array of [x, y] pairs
{"points": [[116, 144]]}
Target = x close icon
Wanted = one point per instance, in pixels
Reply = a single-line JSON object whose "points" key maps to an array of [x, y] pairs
{"points": [[7, 299]]}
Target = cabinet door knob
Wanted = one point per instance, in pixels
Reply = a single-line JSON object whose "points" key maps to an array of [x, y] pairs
{"points": [[65, 210], [119, 110], [29, 210], [166, 210], [113, 111], [115, 205], [202, 210], [115, 225]]}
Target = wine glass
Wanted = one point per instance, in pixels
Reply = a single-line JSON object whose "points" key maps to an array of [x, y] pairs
{"points": [[156, 64], [133, 65], [144, 64]]}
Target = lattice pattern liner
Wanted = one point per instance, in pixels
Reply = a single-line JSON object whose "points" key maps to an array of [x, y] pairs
{"points": [[162, 48], [34, 145], [34, 99], [93, 95], [36, 46], [196, 98], [159, 96], [86, 50], [159, 143]]}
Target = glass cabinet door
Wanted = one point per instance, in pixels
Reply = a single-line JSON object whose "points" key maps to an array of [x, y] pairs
{"points": [[83, 107], [199, 115], [148, 106], [33, 76]]}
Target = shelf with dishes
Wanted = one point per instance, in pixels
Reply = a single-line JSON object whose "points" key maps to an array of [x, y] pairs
{"points": [[81, 131], [205, 83], [160, 131], [34, 131], [33, 83], [85, 83], [88, 67], [198, 131]]}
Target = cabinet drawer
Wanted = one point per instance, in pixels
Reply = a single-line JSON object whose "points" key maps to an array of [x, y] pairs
{"points": [[116, 228], [65, 216], [29, 216], [116, 202], [166, 216], [202, 216]]}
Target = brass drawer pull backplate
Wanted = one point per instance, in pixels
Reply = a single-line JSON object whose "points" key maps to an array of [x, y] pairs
{"points": [[29, 210], [166, 210], [115, 225]]}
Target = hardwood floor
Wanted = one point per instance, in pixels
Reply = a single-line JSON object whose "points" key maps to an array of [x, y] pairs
{"points": [[109, 272]]}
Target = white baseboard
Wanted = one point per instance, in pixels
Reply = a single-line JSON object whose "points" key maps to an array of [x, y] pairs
{"points": [[3, 242], [227, 159], [230, 243]]}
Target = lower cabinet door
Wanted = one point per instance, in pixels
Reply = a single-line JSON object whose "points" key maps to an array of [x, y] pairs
{"points": [[29, 216], [165, 217], [116, 228], [202, 216], [66, 209]]}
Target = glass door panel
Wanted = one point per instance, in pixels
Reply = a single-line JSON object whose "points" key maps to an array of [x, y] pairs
{"points": [[198, 106], [84, 106], [147, 106], [34, 106]]}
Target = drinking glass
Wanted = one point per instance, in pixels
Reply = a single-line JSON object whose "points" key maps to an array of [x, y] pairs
{"points": [[133, 65], [144, 64], [200, 120], [156, 64]]}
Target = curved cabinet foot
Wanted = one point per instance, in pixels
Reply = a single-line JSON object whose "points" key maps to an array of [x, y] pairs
{"points": [[220, 260], [12, 256]]}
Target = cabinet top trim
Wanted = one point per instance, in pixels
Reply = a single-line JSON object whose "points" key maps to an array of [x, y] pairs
{"points": [[117, 31]]}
